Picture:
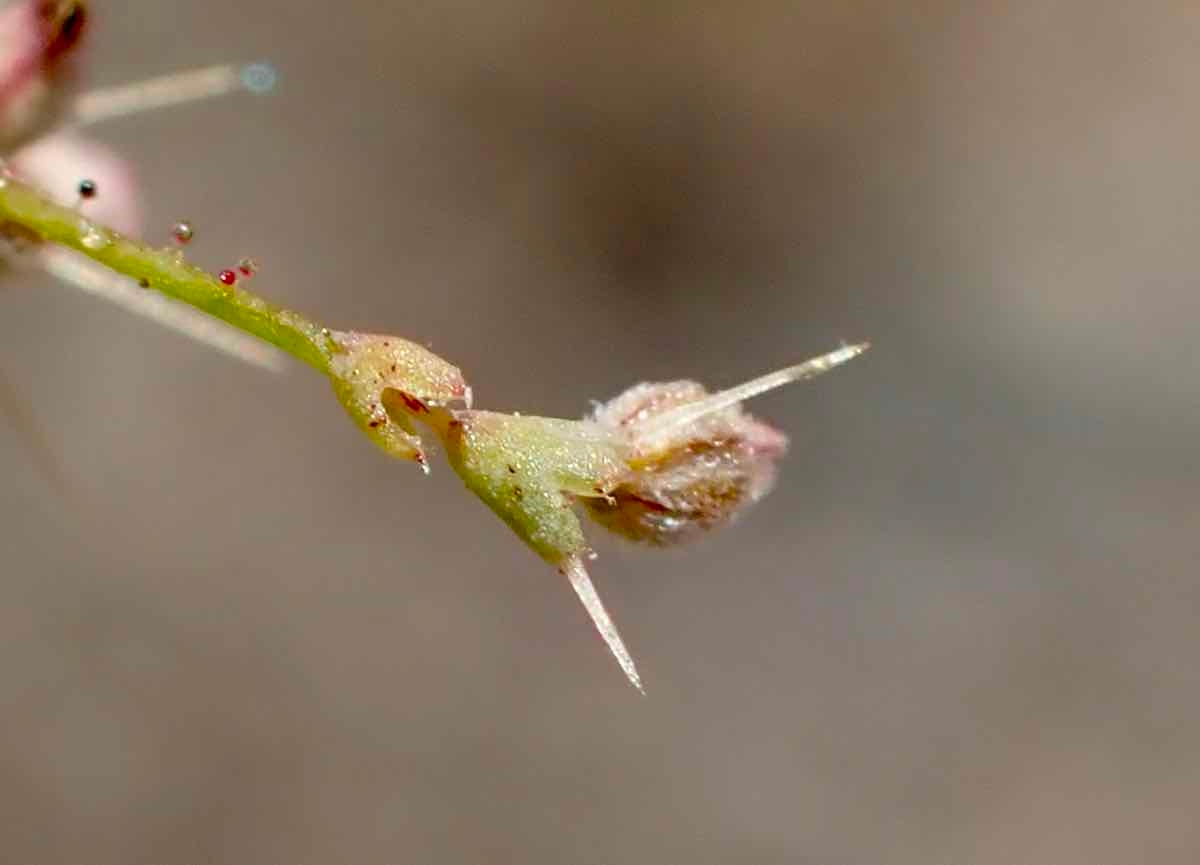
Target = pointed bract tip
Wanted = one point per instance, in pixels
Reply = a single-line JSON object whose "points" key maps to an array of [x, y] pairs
{"points": [[848, 352], [582, 584], [683, 415]]}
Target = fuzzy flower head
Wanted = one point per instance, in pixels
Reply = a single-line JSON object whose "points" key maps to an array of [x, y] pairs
{"points": [[694, 460], [683, 478]]}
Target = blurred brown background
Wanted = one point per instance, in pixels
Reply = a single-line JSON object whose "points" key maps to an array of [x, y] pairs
{"points": [[965, 627]]}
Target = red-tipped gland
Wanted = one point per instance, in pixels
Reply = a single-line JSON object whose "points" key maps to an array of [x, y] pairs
{"points": [[227, 277]]}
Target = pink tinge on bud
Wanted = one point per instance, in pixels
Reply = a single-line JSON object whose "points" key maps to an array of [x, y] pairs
{"points": [[688, 477], [58, 163], [37, 37], [19, 42], [62, 26]]}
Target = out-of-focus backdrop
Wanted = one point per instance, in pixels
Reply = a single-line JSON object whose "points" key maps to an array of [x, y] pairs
{"points": [[965, 628]]}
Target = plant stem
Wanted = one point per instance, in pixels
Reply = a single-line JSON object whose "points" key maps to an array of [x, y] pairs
{"points": [[26, 211]]}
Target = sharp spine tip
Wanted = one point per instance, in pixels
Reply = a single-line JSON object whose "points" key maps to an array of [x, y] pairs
{"points": [[582, 584]]}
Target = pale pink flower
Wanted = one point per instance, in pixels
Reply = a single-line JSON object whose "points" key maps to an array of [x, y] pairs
{"points": [[57, 163], [40, 121]]}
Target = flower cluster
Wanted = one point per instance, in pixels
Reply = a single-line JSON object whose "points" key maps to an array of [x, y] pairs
{"points": [[659, 464]]}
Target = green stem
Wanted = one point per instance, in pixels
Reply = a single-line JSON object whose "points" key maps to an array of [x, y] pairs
{"points": [[24, 208]]}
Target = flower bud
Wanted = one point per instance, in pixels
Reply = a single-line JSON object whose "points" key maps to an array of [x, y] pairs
{"points": [[696, 460], [688, 478], [37, 37], [659, 463]]}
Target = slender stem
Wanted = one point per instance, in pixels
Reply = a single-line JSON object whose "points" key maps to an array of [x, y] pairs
{"points": [[24, 210]]}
